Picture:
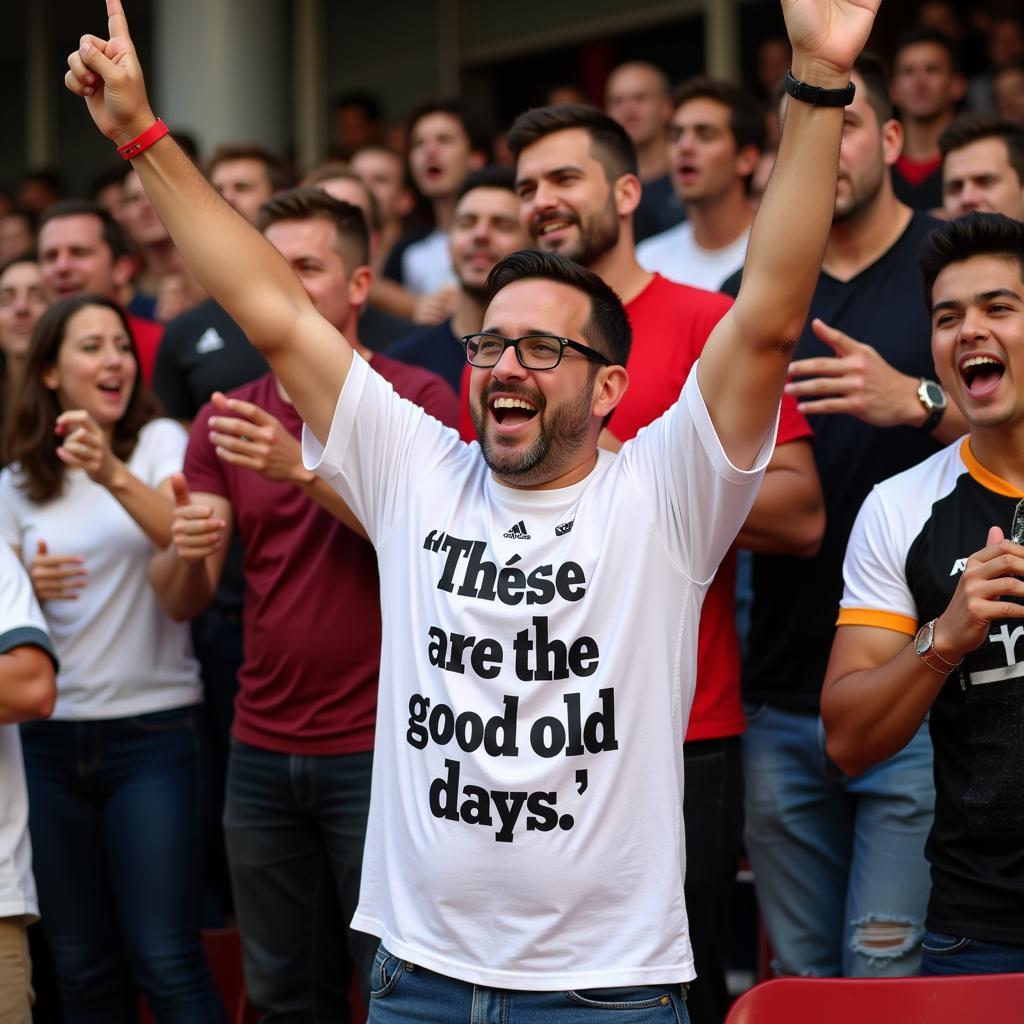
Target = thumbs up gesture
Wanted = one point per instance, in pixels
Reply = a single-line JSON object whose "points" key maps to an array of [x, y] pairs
{"points": [[195, 532], [56, 577]]}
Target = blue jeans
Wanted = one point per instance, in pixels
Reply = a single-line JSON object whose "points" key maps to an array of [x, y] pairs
{"points": [[838, 861], [295, 826], [404, 993], [955, 954], [114, 814]]}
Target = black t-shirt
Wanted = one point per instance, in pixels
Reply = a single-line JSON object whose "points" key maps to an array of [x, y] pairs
{"points": [[923, 195], [378, 329], [906, 558], [795, 599], [660, 209], [433, 348], [203, 351]]}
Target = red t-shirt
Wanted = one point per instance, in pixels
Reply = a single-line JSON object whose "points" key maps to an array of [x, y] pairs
{"points": [[671, 322], [308, 682], [148, 335]]}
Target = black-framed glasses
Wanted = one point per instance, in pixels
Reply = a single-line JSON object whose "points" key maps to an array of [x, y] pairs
{"points": [[534, 351]]}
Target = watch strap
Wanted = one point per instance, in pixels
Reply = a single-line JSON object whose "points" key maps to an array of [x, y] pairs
{"points": [[931, 657], [935, 412], [817, 96]]}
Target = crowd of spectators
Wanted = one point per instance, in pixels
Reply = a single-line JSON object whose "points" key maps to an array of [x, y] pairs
{"points": [[210, 607]]}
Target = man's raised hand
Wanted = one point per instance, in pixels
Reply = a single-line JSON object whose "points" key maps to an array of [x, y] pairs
{"points": [[195, 532], [827, 35], [106, 73]]}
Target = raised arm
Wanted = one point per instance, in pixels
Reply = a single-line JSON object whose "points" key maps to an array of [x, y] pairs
{"points": [[238, 267], [743, 366]]}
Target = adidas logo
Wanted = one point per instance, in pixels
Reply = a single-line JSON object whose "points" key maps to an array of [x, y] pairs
{"points": [[209, 341], [517, 532]]}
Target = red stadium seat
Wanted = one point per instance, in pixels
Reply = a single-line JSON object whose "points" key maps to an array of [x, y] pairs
{"points": [[986, 999]]}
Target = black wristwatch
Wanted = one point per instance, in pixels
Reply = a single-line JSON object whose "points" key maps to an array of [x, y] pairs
{"points": [[933, 398], [816, 95]]}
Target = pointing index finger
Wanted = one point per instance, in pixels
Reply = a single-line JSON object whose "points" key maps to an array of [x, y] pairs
{"points": [[117, 24]]}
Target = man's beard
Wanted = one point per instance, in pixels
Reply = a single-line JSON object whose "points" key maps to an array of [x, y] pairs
{"points": [[859, 199], [596, 236], [563, 432]]}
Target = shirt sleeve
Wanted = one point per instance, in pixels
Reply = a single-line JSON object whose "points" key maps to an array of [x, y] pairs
{"points": [[10, 529], [875, 591], [204, 472], [161, 451], [21, 619], [697, 498], [380, 447], [438, 399]]}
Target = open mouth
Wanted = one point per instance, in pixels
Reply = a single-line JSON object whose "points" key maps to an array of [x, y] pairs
{"points": [[512, 412], [981, 374], [110, 388]]}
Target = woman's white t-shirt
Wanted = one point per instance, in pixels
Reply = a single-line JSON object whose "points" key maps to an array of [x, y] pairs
{"points": [[120, 653]]}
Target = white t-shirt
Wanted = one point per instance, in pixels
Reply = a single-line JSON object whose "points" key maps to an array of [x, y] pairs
{"points": [[526, 826], [120, 653], [427, 264], [21, 624], [674, 254]]}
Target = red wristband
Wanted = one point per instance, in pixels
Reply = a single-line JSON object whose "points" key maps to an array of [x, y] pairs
{"points": [[156, 131]]}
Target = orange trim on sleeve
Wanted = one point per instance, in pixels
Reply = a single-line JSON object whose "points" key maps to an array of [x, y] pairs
{"points": [[985, 477], [873, 617]]}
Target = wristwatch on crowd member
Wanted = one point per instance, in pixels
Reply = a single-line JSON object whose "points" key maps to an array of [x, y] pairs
{"points": [[924, 648], [934, 400]]}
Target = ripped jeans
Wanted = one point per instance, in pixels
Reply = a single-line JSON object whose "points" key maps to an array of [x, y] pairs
{"points": [[838, 861]]}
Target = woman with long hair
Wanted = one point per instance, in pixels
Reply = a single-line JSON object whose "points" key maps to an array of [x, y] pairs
{"points": [[114, 776]]}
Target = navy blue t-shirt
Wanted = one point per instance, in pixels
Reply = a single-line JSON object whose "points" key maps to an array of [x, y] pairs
{"points": [[433, 348]]}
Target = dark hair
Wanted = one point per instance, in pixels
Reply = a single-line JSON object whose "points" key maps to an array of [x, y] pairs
{"points": [[976, 234], [607, 328], [488, 177], [968, 128], [26, 257], [746, 114], [308, 203], [609, 142], [28, 432], [112, 232], [479, 140], [278, 173], [114, 174], [871, 71], [919, 34], [368, 104]]}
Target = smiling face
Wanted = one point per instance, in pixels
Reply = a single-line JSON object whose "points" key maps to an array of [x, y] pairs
{"points": [[978, 338], [76, 259], [485, 228], [979, 177], [95, 368], [536, 426], [568, 204]]}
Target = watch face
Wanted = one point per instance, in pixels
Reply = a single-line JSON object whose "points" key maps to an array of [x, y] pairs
{"points": [[924, 639], [935, 396]]}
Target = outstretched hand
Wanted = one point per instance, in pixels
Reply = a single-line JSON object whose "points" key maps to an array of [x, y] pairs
{"points": [[107, 74], [828, 33]]}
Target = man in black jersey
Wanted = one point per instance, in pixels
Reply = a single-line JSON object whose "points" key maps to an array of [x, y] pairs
{"points": [[931, 618]]}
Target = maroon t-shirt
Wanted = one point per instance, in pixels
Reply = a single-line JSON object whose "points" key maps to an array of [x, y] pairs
{"points": [[308, 684]]}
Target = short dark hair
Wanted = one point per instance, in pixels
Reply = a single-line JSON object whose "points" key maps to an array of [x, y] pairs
{"points": [[871, 71], [607, 328], [609, 142], [26, 257], [479, 140], [746, 115], [968, 128], [976, 234], [488, 177], [34, 408], [368, 104], [278, 173], [918, 34], [112, 232], [308, 203]]}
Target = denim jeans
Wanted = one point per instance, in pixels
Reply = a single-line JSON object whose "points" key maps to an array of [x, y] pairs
{"points": [[838, 861], [295, 826], [713, 812], [404, 993], [955, 954], [114, 814]]}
